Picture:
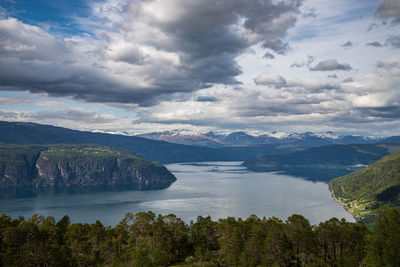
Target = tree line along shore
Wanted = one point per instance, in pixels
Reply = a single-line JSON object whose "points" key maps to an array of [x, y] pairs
{"points": [[145, 239]]}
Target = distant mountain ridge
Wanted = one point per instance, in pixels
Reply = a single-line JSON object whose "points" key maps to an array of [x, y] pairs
{"points": [[184, 137], [158, 151], [325, 162], [215, 139]]}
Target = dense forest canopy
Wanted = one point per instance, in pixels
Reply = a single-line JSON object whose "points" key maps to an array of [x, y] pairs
{"points": [[145, 239]]}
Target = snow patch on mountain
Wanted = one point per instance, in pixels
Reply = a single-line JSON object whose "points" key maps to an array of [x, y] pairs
{"points": [[114, 132]]}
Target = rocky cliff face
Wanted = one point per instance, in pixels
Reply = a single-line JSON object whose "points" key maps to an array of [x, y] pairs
{"points": [[78, 165]]}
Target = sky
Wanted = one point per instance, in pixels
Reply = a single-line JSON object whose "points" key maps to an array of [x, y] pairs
{"points": [[224, 65]]}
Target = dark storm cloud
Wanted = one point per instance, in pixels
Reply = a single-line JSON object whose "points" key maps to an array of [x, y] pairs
{"points": [[180, 46], [389, 9], [330, 65]]}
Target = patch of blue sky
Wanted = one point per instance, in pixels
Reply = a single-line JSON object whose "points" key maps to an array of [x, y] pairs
{"points": [[304, 33], [326, 22], [54, 15], [354, 14]]}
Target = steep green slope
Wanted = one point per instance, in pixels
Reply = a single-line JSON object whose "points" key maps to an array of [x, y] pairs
{"points": [[363, 191], [77, 165], [323, 163]]}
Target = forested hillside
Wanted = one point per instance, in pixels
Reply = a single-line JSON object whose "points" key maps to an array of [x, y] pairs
{"points": [[148, 240], [39, 166], [363, 191]]}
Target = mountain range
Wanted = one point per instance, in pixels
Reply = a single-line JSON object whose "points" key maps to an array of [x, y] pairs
{"points": [[153, 150], [215, 139], [325, 162]]}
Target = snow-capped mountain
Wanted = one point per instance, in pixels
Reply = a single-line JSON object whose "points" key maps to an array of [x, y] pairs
{"points": [[185, 137], [114, 132], [215, 139]]}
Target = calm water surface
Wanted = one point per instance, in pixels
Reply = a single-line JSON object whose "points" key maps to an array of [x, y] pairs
{"points": [[218, 189]]}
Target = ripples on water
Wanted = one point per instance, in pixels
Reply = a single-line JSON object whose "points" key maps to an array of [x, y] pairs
{"points": [[218, 189]]}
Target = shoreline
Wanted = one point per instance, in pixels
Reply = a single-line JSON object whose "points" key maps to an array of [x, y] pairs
{"points": [[357, 218]]}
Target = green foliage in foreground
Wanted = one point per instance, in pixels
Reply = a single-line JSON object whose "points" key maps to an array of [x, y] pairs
{"points": [[363, 191], [148, 240]]}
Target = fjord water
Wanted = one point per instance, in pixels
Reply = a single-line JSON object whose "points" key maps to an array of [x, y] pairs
{"points": [[218, 189]]}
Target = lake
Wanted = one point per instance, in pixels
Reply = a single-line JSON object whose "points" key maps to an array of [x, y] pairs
{"points": [[218, 189]]}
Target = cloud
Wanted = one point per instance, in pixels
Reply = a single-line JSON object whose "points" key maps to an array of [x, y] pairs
{"points": [[277, 46], [71, 118], [270, 79], [303, 84], [15, 100], [377, 95], [269, 55], [375, 43], [389, 9], [347, 44], [310, 59], [297, 65], [365, 101], [372, 100], [393, 41], [330, 65], [188, 64], [9, 115], [390, 113], [373, 26], [71, 115], [388, 65], [348, 80], [206, 99], [143, 52], [312, 85], [310, 12], [3, 12]]}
